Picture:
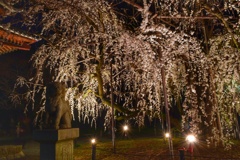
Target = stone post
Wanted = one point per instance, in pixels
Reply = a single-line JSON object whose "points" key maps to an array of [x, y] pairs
{"points": [[56, 144]]}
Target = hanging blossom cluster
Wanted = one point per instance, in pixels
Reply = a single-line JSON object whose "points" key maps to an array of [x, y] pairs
{"points": [[190, 7], [208, 80], [77, 34], [83, 40], [135, 84], [10, 7], [188, 15], [185, 67], [224, 61], [184, 63]]}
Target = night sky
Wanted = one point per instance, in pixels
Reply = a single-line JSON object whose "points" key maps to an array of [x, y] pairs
{"points": [[14, 62], [12, 65]]}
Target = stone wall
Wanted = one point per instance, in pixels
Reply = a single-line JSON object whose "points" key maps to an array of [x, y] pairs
{"points": [[8, 152]]}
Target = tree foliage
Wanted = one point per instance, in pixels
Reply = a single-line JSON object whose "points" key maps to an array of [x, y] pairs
{"points": [[83, 40], [209, 68], [195, 42]]}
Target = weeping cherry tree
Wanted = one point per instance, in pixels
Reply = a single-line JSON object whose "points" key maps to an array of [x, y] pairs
{"points": [[201, 60], [82, 40]]}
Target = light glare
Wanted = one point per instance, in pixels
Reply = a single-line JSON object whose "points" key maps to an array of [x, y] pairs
{"points": [[191, 138], [93, 141], [125, 127], [167, 135]]}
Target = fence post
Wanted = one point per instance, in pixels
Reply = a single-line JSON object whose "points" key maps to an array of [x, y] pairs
{"points": [[181, 153], [93, 141]]}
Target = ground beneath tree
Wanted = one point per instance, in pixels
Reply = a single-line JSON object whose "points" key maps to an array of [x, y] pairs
{"points": [[134, 149], [153, 149]]}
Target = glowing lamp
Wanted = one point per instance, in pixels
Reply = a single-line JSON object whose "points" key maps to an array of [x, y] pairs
{"points": [[125, 128], [93, 141], [191, 138], [167, 135]]}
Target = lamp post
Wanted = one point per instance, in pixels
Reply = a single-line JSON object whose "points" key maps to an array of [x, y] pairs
{"points": [[167, 135], [125, 130], [112, 118], [93, 141], [191, 139]]}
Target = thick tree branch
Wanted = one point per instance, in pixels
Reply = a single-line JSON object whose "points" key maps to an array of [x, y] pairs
{"points": [[6, 6], [141, 8], [220, 17], [100, 94]]}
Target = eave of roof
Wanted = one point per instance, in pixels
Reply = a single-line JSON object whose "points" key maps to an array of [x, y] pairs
{"points": [[11, 40]]}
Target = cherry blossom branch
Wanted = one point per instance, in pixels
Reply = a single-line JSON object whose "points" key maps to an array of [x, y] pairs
{"points": [[140, 8], [8, 7], [219, 16]]}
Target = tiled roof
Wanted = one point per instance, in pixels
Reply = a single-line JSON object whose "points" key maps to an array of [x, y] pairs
{"points": [[11, 40]]}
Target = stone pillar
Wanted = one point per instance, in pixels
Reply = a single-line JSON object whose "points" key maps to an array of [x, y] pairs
{"points": [[56, 144]]}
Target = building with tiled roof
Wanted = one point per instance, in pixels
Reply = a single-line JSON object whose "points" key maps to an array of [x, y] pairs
{"points": [[11, 40]]}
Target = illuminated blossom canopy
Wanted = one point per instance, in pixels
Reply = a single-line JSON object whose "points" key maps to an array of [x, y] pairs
{"points": [[207, 70], [84, 40], [195, 42]]}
